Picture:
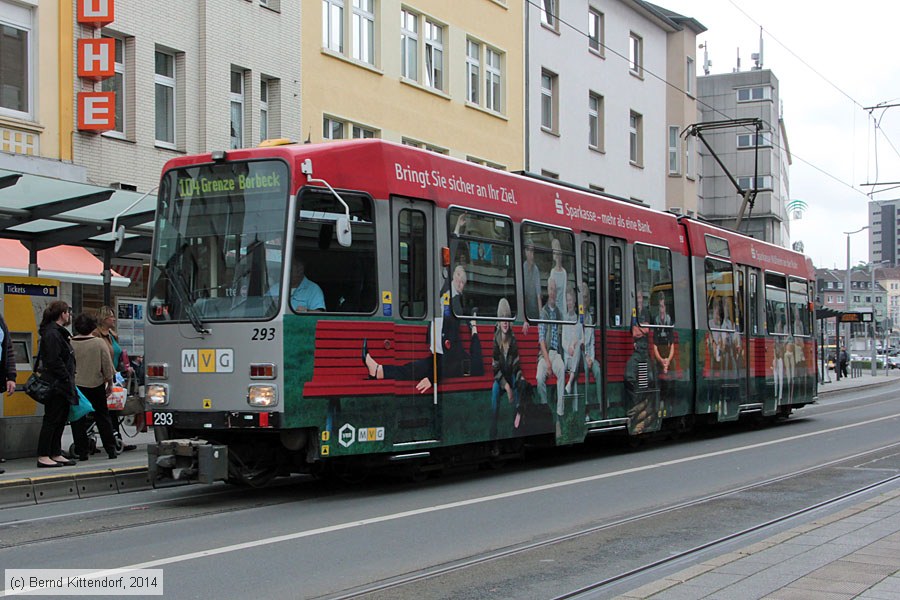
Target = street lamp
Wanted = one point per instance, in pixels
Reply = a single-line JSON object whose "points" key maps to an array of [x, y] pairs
{"points": [[847, 282], [874, 320]]}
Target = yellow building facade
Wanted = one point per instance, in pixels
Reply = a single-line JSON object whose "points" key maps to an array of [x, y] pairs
{"points": [[446, 76], [37, 111]]}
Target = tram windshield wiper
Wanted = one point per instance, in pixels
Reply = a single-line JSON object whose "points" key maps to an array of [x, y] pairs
{"points": [[181, 289]]}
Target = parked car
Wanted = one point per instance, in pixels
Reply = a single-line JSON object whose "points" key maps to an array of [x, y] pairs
{"points": [[894, 362]]}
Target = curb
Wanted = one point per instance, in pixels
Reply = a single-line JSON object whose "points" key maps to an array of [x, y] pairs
{"points": [[53, 488], [824, 391]]}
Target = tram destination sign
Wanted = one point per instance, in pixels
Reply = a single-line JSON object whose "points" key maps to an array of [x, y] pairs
{"points": [[856, 317]]}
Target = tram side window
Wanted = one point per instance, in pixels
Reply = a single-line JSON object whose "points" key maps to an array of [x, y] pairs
{"points": [[799, 307], [588, 283], [754, 304], [614, 287], [413, 268], [719, 294], [653, 285], [481, 250], [346, 277], [554, 256], [776, 304]]}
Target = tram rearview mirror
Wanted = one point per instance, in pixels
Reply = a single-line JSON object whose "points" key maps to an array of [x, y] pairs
{"points": [[343, 231], [120, 238]]}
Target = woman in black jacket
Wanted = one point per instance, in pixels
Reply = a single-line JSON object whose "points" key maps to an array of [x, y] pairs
{"points": [[58, 366], [7, 362]]}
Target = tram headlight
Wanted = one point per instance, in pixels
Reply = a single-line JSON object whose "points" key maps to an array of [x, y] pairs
{"points": [[157, 394], [262, 394]]}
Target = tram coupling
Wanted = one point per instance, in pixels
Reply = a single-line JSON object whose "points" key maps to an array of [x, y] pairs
{"points": [[177, 462]]}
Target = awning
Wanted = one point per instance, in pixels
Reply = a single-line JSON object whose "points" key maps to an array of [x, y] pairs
{"points": [[72, 264]]}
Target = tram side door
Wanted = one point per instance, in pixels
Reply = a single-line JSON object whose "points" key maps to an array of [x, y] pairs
{"points": [[613, 331], [414, 290]]}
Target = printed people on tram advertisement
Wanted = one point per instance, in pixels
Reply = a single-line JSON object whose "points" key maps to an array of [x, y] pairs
{"points": [[640, 371]]}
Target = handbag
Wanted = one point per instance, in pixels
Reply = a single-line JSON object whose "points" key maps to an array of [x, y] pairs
{"points": [[80, 410], [37, 388], [116, 398]]}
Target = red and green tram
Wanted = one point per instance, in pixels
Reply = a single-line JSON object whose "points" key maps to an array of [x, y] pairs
{"points": [[363, 303]]}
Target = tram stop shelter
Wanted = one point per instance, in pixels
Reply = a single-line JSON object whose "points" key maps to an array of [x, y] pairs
{"points": [[55, 225]]}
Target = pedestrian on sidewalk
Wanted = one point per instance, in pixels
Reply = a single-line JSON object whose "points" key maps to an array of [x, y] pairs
{"points": [[94, 375], [57, 366], [844, 361], [7, 363]]}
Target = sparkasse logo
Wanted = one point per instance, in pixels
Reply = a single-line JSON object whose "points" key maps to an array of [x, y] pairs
{"points": [[559, 205]]}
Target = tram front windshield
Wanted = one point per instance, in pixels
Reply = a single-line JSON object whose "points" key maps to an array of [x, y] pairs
{"points": [[219, 242]]}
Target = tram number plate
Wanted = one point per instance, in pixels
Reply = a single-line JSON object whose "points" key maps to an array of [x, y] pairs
{"points": [[163, 418]]}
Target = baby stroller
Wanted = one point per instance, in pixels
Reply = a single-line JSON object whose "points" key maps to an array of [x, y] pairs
{"points": [[128, 417]]}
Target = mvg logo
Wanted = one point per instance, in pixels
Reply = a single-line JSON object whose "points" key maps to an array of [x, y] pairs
{"points": [[207, 360], [559, 205]]}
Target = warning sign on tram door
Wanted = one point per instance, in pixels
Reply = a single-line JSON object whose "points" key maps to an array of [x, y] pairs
{"points": [[856, 317]]}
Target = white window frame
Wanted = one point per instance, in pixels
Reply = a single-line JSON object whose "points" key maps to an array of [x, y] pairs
{"points": [[22, 18], [549, 100], [754, 94], [236, 103], [635, 138], [746, 140], [330, 125], [333, 25], [690, 152], [363, 28], [595, 121], [674, 140], [763, 182], [117, 85], [163, 80], [596, 33], [263, 109], [550, 14], [358, 132], [473, 70], [636, 54], [409, 45], [493, 79], [434, 55], [689, 75]]}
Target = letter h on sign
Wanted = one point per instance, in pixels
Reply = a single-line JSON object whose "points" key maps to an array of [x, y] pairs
{"points": [[96, 58]]}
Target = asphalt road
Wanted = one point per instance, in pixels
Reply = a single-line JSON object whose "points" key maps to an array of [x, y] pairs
{"points": [[308, 539]]}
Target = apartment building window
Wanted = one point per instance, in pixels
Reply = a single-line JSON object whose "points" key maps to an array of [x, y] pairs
{"points": [[689, 75], [636, 54], [164, 80], [690, 151], [263, 109], [754, 94], [635, 139], [16, 60], [674, 151], [332, 129], [359, 132], [364, 31], [763, 182], [549, 101], [485, 163], [473, 67], [596, 41], [409, 45], [333, 24], [595, 121], [549, 13], [237, 109], [549, 174], [434, 55], [749, 140], [116, 84], [425, 146], [493, 81]]}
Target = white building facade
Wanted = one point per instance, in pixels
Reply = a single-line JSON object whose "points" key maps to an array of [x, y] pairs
{"points": [[596, 95]]}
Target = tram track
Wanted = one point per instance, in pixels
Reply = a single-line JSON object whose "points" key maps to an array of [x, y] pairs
{"points": [[412, 584]]}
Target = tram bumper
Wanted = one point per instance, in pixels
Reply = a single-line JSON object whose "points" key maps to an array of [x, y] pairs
{"points": [[177, 462]]}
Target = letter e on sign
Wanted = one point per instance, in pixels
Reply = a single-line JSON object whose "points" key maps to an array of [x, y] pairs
{"points": [[96, 111], [96, 12]]}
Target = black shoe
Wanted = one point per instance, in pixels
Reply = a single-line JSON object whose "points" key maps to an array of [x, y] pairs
{"points": [[83, 457], [2, 471], [66, 463], [112, 455], [46, 466], [128, 447]]}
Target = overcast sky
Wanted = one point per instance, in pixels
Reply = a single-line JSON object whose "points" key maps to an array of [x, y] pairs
{"points": [[832, 59]]}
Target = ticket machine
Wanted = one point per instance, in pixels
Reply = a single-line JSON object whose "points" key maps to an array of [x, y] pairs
{"points": [[22, 303]]}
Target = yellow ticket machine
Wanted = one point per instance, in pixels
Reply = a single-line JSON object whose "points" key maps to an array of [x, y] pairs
{"points": [[22, 303]]}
